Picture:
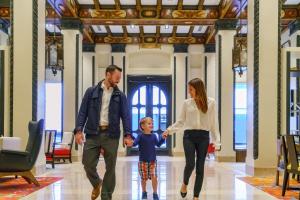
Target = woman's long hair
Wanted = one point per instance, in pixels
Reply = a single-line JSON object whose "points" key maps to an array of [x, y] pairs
{"points": [[201, 96]]}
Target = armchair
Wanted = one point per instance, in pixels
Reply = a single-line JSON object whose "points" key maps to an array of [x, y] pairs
{"points": [[20, 163]]}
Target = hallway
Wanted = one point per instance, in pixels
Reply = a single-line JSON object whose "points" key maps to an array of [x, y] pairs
{"points": [[221, 182]]}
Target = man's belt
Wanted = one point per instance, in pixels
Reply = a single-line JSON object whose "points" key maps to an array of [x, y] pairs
{"points": [[103, 128]]}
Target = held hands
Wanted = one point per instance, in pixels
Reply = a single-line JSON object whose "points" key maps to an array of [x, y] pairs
{"points": [[165, 134], [79, 138], [128, 141]]}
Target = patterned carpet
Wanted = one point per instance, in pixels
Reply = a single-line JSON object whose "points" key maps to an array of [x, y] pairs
{"points": [[12, 189], [267, 184]]}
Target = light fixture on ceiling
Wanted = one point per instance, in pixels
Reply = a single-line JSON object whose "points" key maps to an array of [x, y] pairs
{"points": [[239, 51], [132, 26], [53, 46], [167, 26]]}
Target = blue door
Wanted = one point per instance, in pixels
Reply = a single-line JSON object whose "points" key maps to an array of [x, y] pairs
{"points": [[150, 96]]}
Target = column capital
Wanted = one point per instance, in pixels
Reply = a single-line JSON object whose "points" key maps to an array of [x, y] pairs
{"points": [[71, 24], [226, 24], [209, 48], [118, 48], [294, 26], [180, 48], [88, 47]]}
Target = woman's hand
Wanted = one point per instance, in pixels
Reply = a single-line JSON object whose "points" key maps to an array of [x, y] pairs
{"points": [[217, 146]]}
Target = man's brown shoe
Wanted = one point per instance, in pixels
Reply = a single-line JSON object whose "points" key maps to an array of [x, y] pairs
{"points": [[96, 191]]}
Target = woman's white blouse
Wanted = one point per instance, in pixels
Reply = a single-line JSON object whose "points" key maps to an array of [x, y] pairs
{"points": [[193, 118]]}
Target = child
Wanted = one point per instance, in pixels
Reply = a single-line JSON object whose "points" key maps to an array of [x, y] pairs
{"points": [[147, 161]]}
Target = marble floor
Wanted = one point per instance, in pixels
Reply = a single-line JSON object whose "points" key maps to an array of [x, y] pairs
{"points": [[220, 181]]}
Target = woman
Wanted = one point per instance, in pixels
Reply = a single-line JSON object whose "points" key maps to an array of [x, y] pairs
{"points": [[198, 118]]}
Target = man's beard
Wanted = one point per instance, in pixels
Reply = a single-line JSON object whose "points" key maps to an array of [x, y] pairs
{"points": [[113, 84]]}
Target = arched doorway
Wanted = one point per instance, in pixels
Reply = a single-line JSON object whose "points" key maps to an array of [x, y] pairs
{"points": [[151, 96]]}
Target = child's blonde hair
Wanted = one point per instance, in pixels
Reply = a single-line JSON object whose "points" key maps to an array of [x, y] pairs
{"points": [[143, 121]]}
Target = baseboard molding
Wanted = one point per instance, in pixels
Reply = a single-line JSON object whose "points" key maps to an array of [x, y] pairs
{"points": [[225, 158], [255, 171], [177, 154], [76, 158], [39, 170], [122, 154]]}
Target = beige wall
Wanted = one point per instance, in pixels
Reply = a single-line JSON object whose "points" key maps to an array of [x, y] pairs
{"points": [[87, 74]]}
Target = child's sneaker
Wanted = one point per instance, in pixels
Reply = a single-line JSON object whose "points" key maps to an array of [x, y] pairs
{"points": [[155, 196], [144, 195]]}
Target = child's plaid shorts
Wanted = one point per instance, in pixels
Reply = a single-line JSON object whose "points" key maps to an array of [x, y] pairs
{"points": [[147, 169]]}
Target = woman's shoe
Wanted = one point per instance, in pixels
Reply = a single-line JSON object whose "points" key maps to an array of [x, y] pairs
{"points": [[183, 194]]}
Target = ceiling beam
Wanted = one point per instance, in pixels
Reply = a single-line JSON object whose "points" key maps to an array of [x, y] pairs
{"points": [[158, 7], [97, 4], [118, 4], [157, 35], [180, 4], [211, 32], [138, 5], [224, 10], [241, 8], [109, 33], [88, 34], [125, 31], [174, 31], [141, 31], [191, 31], [201, 4]]}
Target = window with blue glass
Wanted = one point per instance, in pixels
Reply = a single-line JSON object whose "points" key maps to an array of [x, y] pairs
{"points": [[149, 100], [240, 116]]}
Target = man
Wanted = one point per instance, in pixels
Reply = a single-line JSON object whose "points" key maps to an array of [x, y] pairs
{"points": [[100, 112]]}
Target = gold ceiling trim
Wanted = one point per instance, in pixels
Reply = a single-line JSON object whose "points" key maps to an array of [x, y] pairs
{"points": [[190, 14], [118, 40], [108, 14], [150, 46], [177, 40]]}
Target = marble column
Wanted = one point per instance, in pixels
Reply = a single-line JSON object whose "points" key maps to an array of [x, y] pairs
{"points": [[180, 79], [224, 84], [28, 71], [262, 82], [210, 69], [72, 76], [196, 62], [103, 59], [89, 66], [118, 58]]}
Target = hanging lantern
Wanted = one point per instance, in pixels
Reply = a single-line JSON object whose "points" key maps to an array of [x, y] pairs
{"points": [[54, 51], [239, 55], [239, 51]]}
